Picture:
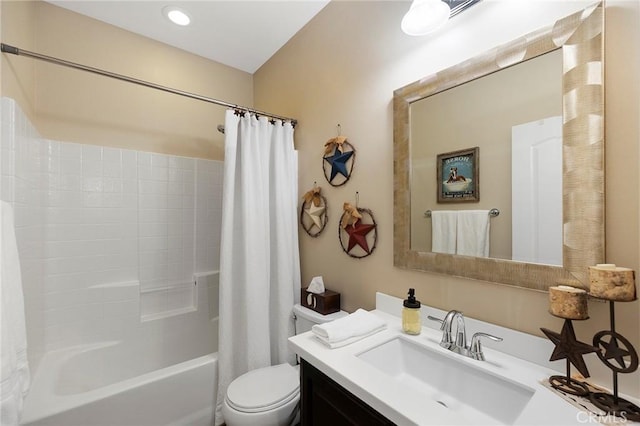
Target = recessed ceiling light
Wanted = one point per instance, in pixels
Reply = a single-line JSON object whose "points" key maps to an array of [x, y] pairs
{"points": [[177, 15]]}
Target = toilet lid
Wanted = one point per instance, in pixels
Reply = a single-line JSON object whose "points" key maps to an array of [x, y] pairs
{"points": [[264, 389]]}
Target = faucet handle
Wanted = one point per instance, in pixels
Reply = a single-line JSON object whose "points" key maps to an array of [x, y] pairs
{"points": [[445, 325], [476, 348], [446, 340], [437, 320]]}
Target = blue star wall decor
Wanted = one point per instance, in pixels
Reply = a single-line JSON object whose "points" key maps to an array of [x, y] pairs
{"points": [[337, 162]]}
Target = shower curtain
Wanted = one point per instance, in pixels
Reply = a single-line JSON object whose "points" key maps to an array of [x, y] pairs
{"points": [[259, 258]]}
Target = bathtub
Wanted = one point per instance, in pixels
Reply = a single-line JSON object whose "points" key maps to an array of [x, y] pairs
{"points": [[75, 387]]}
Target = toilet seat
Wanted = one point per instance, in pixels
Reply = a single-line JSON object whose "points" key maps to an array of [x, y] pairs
{"points": [[264, 389]]}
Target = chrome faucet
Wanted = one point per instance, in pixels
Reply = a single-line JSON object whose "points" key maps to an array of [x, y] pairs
{"points": [[459, 345], [447, 341]]}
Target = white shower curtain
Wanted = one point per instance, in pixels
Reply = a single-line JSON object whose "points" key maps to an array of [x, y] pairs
{"points": [[259, 259]]}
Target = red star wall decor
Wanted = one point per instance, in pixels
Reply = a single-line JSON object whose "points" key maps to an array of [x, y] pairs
{"points": [[358, 235]]}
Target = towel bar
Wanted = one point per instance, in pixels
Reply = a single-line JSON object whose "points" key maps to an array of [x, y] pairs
{"points": [[492, 213]]}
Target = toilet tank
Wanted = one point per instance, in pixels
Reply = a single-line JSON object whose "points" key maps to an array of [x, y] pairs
{"points": [[305, 318]]}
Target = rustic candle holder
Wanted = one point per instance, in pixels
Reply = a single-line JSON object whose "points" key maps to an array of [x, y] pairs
{"points": [[616, 348], [567, 346], [568, 384]]}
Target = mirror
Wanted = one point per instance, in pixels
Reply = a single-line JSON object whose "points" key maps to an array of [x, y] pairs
{"points": [[486, 112], [577, 42]]}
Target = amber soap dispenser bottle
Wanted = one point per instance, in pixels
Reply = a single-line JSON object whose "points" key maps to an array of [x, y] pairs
{"points": [[411, 314]]}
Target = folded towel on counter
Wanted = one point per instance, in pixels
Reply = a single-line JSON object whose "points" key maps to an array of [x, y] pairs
{"points": [[349, 329]]}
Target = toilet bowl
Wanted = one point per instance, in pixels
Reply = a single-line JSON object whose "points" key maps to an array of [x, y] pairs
{"points": [[270, 396], [267, 396]]}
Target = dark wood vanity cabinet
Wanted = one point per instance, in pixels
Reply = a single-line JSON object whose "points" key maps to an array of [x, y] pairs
{"points": [[324, 402]]}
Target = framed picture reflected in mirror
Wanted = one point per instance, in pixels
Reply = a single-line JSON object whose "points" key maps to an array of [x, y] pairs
{"points": [[457, 176]]}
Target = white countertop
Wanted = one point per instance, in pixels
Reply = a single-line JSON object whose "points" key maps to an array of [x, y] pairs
{"points": [[407, 406]]}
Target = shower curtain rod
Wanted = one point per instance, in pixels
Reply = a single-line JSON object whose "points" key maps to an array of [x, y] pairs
{"points": [[22, 52]]}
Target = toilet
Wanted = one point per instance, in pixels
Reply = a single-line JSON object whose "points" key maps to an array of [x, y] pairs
{"points": [[269, 396]]}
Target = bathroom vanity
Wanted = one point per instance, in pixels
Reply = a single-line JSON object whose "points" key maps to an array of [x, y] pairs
{"points": [[325, 402], [393, 378]]}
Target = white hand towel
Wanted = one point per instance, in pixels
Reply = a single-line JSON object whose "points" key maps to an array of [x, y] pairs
{"points": [[443, 231], [14, 371], [473, 233], [349, 329]]}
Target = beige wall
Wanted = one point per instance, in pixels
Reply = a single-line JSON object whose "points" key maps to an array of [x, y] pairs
{"points": [[343, 67], [76, 106], [17, 76]]}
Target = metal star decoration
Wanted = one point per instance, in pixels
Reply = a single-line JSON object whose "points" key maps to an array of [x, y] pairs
{"points": [[316, 214], [617, 349], [313, 212], [358, 235], [338, 162], [567, 346], [613, 351]]}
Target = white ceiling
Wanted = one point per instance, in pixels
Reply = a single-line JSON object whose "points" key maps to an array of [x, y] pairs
{"points": [[240, 33]]}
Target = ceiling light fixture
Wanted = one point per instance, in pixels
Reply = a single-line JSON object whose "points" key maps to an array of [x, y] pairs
{"points": [[425, 16], [177, 16]]}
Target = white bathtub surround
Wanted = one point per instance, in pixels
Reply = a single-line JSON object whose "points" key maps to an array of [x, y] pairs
{"points": [[90, 383], [259, 261], [90, 218], [162, 302], [211, 281], [111, 241], [14, 369]]}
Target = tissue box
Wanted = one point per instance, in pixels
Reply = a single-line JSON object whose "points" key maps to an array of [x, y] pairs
{"points": [[323, 303]]}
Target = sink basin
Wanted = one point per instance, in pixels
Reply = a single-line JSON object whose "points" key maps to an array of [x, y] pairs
{"points": [[473, 393]]}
